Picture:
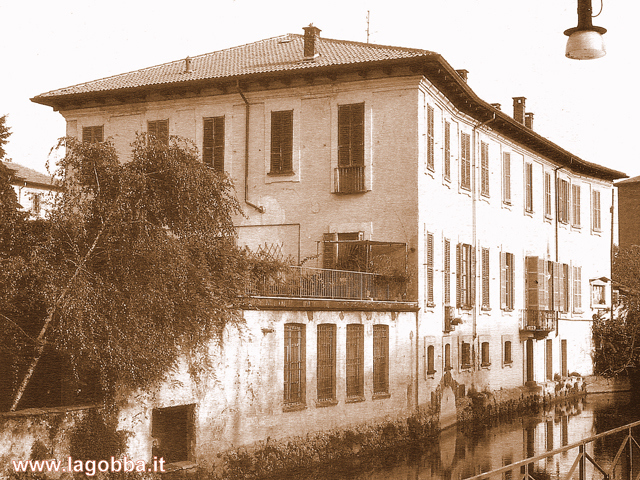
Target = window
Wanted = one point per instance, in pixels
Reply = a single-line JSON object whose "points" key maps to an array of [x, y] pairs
{"points": [[431, 359], [577, 289], [507, 266], [485, 278], [575, 205], [380, 359], [430, 139], [350, 171], [326, 362], [596, 216], [172, 430], [294, 363], [447, 272], [447, 357], [563, 201], [464, 276], [465, 355], [547, 194], [563, 353], [564, 291], [93, 134], [342, 251], [465, 161], [282, 142], [598, 298], [355, 361], [447, 151], [549, 359], [484, 169], [507, 352], [36, 203], [506, 178], [484, 351], [213, 143], [429, 268], [528, 187], [159, 129]]}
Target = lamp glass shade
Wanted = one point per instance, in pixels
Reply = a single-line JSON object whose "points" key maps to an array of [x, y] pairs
{"points": [[585, 45]]}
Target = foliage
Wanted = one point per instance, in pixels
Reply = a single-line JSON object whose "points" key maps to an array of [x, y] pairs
{"points": [[95, 438], [135, 266], [617, 339], [4, 136]]}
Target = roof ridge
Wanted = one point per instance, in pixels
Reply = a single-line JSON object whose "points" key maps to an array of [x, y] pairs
{"points": [[372, 45]]}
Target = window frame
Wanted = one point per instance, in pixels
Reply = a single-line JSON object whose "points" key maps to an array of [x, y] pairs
{"points": [[326, 363], [380, 361], [465, 355], [485, 356], [465, 275], [294, 400], [562, 189], [282, 143], [213, 143], [351, 149]]}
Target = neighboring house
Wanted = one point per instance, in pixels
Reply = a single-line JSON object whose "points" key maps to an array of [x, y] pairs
{"points": [[629, 212], [33, 189], [481, 249]]}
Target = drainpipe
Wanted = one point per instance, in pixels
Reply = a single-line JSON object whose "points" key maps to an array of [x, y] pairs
{"points": [[246, 153], [613, 199], [555, 179], [474, 200]]}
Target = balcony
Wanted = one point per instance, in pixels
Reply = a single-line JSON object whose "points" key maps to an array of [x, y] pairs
{"points": [[323, 283], [537, 322], [349, 179]]}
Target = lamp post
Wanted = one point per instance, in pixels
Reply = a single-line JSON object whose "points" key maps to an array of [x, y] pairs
{"points": [[585, 41]]}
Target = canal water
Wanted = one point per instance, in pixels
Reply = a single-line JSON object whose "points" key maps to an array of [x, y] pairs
{"points": [[461, 453]]}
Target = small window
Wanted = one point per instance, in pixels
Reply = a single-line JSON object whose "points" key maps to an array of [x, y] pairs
{"points": [[172, 430], [485, 360], [577, 289], [507, 352], [355, 361], [159, 129], [213, 143], [465, 355], [282, 143], [93, 134], [380, 359]]}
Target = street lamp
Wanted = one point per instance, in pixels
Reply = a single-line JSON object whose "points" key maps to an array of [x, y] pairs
{"points": [[585, 41]]}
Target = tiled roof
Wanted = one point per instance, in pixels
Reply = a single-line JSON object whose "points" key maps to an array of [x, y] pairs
{"points": [[278, 54], [27, 175], [629, 180]]}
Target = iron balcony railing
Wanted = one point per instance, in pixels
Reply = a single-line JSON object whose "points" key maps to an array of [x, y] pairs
{"points": [[307, 282], [537, 320], [349, 179]]}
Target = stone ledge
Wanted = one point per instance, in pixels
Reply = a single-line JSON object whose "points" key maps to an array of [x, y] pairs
{"points": [[322, 304]]}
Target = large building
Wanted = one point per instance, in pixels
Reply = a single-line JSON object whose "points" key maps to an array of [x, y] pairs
{"points": [[383, 161]]}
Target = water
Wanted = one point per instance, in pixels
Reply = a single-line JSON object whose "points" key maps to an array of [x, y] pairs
{"points": [[459, 453]]}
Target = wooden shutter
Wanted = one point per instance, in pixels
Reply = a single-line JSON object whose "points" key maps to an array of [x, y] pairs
{"points": [[507, 177], [535, 283], [575, 204], [330, 250], [207, 141], [528, 168], [447, 150], [430, 140], [218, 144], [282, 141], [447, 271], [484, 167], [472, 276], [485, 278], [557, 286], [429, 264], [465, 167], [503, 280], [351, 135], [459, 275]]}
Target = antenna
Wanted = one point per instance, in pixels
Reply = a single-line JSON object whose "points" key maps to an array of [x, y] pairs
{"points": [[367, 26]]}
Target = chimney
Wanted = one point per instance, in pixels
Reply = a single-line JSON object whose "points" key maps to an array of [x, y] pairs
{"points": [[463, 74], [518, 109], [496, 106], [187, 65], [310, 35], [528, 120]]}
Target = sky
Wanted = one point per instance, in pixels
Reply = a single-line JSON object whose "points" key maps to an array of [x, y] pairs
{"points": [[511, 48]]}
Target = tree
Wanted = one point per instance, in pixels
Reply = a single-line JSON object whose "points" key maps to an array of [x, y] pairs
{"points": [[136, 266], [617, 337]]}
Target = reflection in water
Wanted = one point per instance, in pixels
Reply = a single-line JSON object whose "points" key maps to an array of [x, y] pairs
{"points": [[463, 453]]}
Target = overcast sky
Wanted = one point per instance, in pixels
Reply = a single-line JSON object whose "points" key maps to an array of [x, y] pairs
{"points": [[511, 48]]}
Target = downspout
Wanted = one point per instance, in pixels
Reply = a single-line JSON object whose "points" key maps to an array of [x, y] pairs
{"points": [[417, 366], [246, 153], [474, 223], [555, 179], [613, 200]]}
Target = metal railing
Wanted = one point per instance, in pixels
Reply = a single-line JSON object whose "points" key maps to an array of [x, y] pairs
{"points": [[307, 282], [537, 320], [580, 463], [349, 179]]}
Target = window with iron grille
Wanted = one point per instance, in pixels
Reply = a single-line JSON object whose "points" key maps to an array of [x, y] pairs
{"points": [[429, 268], [213, 143], [350, 171], [484, 352], [465, 267], [94, 134], [326, 362], [575, 205], [294, 363], [547, 195], [563, 201], [484, 169], [380, 359], [465, 161], [507, 264], [447, 151], [485, 278], [431, 360], [528, 187], [596, 214], [430, 139], [159, 129], [465, 355], [281, 142], [447, 272], [355, 361], [506, 178]]}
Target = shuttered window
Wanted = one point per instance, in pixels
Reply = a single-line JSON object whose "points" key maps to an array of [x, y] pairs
{"points": [[465, 267], [431, 360], [596, 214], [380, 359], [563, 201], [465, 355], [484, 169], [213, 143], [575, 205], [564, 290], [537, 283], [528, 187], [447, 150], [351, 135], [447, 272], [547, 195], [507, 277], [577, 289], [507, 352], [355, 361], [484, 354], [282, 142], [485, 278], [94, 134], [294, 363], [506, 178], [326, 362], [429, 268], [447, 357], [159, 129], [465, 161], [430, 139]]}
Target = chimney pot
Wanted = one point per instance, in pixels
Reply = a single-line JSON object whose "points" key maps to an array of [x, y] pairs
{"points": [[518, 109], [464, 74], [310, 35], [496, 106], [187, 65], [528, 120]]}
